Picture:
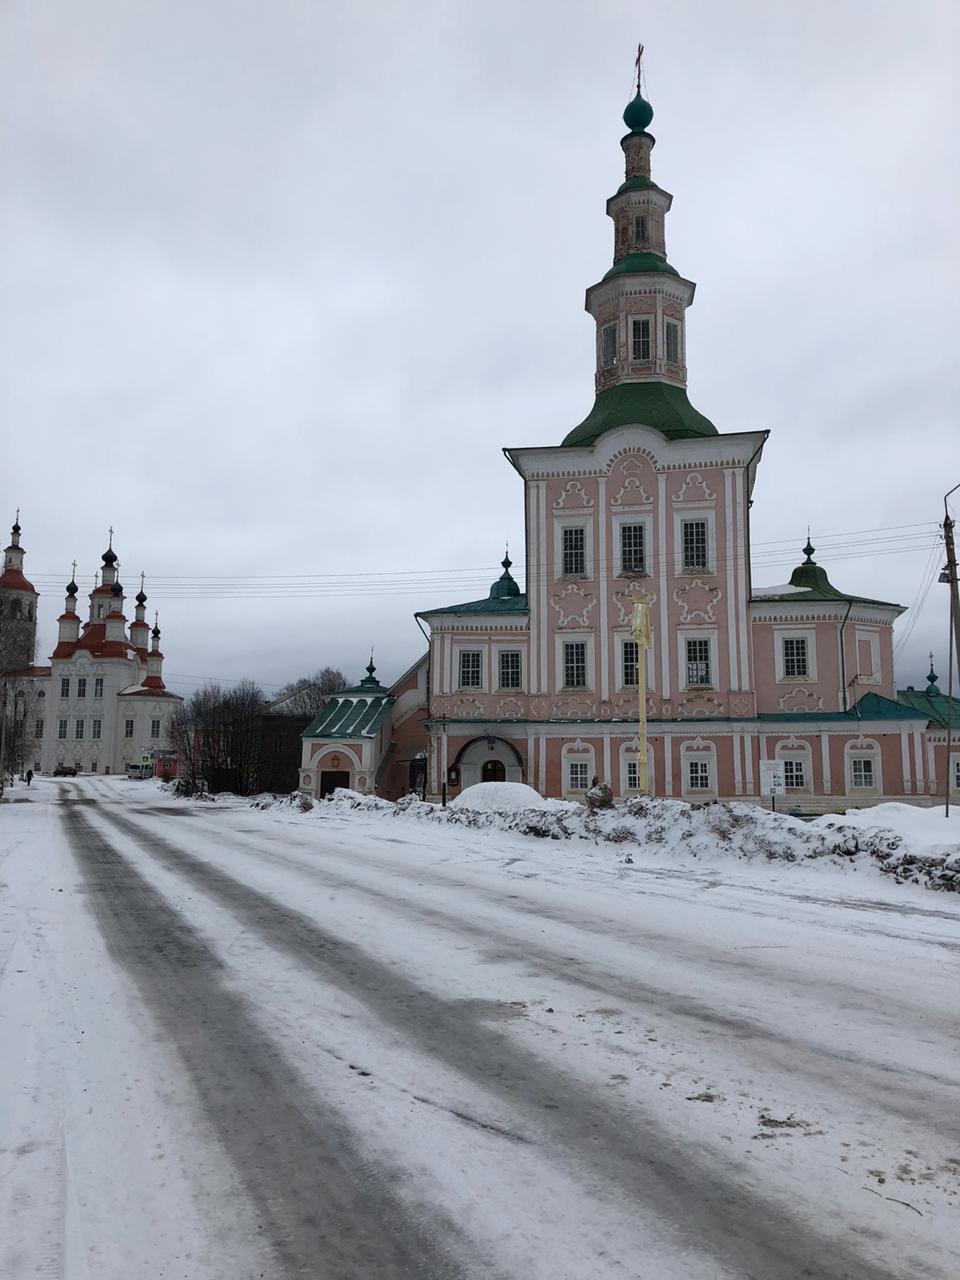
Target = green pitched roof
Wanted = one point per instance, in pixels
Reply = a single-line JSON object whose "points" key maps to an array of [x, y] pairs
{"points": [[343, 716], [505, 597], [935, 706], [809, 583], [649, 404]]}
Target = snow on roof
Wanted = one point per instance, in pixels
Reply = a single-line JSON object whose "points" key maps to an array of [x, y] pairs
{"points": [[786, 590]]}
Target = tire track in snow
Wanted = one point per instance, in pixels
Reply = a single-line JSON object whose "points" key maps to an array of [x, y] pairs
{"points": [[709, 1211], [324, 1204], [913, 1095]]}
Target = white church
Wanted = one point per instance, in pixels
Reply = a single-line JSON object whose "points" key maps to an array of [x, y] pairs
{"points": [[101, 705]]}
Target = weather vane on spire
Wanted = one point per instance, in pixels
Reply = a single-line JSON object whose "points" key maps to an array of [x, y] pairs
{"points": [[110, 543], [639, 65], [142, 576], [73, 570]]}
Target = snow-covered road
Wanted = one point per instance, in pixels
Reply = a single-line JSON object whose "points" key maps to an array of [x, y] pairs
{"points": [[235, 1045]]}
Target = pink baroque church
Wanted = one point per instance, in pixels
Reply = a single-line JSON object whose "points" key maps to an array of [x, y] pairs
{"points": [[644, 496]]}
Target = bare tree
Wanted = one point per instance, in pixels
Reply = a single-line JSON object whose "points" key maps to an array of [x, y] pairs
{"points": [[306, 696], [217, 735]]}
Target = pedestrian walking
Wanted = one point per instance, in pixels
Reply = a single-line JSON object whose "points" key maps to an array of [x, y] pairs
{"points": [[29, 776]]}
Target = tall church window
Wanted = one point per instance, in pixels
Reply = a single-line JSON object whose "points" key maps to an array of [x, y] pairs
{"points": [[575, 665], [641, 338], [631, 657], [795, 657], [471, 676], [154, 728], [608, 346], [698, 662], [694, 544], [574, 550], [633, 775], [128, 728], [640, 229], [81, 686], [78, 729], [632, 549], [95, 728], [64, 686], [672, 332], [98, 686], [510, 669], [38, 729], [61, 729]]}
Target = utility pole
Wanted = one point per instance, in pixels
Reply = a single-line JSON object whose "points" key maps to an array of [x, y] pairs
{"points": [[953, 651], [951, 575]]}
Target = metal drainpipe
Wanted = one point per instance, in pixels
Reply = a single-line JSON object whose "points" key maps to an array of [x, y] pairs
{"points": [[843, 660]]}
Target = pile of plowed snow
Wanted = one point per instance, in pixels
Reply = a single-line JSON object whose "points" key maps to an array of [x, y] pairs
{"points": [[903, 841]]}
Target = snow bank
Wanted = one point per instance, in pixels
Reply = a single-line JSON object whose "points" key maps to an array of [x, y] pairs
{"points": [[507, 797]]}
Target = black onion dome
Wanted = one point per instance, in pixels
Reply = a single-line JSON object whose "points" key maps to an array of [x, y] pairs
{"points": [[72, 588], [155, 633], [116, 589], [109, 556], [140, 597]]}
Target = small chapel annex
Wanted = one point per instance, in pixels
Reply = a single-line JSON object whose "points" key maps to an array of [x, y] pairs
{"points": [[644, 495], [101, 704]]}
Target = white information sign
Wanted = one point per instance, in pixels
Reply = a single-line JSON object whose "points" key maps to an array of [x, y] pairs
{"points": [[772, 780]]}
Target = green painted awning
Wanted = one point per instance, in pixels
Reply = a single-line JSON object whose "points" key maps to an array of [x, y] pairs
{"points": [[350, 717]]}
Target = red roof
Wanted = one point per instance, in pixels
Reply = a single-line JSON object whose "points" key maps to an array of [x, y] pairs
{"points": [[13, 580]]}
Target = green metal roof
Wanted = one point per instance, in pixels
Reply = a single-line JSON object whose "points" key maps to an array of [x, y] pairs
{"points": [[641, 264], [491, 604], [342, 716], [505, 597], [637, 184], [809, 583], [649, 404], [934, 706]]}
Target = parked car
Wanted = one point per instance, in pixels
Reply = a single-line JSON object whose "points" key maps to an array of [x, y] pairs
{"points": [[64, 771]]}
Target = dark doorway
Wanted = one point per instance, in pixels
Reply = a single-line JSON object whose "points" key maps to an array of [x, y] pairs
{"points": [[330, 779], [493, 771]]}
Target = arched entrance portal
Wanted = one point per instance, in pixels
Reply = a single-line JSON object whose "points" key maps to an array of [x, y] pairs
{"points": [[489, 760]]}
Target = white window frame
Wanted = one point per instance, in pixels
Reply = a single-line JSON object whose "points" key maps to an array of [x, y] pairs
{"points": [[560, 523], [78, 729], [64, 686], [95, 728], [38, 728], [574, 644], [698, 633], [582, 768], [129, 727], [795, 750], [622, 638], [694, 511], [641, 228], [81, 686], [462, 651], [697, 749], [872, 638], [62, 727], [577, 753], [617, 523], [98, 686], [155, 723], [863, 748], [808, 634]]}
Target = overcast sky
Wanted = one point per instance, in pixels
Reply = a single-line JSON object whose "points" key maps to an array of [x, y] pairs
{"points": [[279, 280]]}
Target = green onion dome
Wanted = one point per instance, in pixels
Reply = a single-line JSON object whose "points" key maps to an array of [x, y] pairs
{"points": [[638, 114]]}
